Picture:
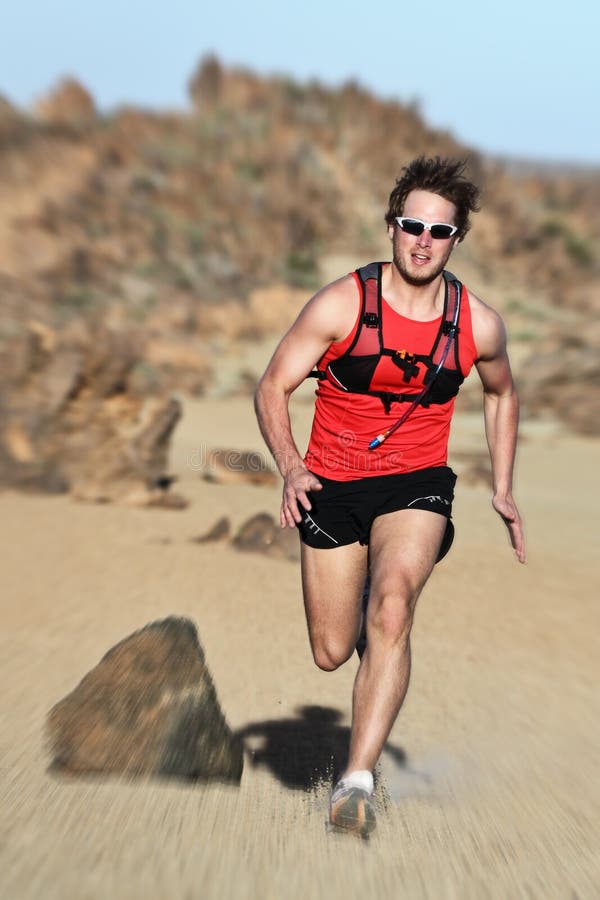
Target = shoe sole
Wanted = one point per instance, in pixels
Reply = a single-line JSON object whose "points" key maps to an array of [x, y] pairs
{"points": [[353, 813]]}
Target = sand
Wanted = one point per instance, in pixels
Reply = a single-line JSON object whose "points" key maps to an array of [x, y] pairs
{"points": [[489, 784]]}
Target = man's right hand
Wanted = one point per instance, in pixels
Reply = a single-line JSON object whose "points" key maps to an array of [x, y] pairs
{"points": [[296, 484]]}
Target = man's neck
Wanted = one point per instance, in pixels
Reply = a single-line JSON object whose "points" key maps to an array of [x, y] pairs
{"points": [[416, 301]]}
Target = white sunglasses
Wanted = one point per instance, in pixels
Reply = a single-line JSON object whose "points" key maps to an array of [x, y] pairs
{"points": [[416, 227]]}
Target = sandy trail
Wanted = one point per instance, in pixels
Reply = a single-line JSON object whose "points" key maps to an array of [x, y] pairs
{"points": [[489, 787]]}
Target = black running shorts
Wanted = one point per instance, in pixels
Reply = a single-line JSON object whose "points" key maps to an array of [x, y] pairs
{"points": [[344, 511]]}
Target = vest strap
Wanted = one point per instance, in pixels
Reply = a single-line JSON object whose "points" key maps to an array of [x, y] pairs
{"points": [[368, 341]]}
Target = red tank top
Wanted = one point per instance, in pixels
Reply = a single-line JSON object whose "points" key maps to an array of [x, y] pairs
{"points": [[344, 423]]}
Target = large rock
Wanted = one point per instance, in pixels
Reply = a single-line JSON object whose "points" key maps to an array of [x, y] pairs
{"points": [[125, 459], [148, 708], [71, 420]]}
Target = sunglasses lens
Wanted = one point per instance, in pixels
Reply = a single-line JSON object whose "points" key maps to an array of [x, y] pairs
{"points": [[412, 226], [441, 231]]}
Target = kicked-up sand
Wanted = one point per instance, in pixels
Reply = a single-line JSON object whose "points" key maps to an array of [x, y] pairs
{"points": [[488, 786]]}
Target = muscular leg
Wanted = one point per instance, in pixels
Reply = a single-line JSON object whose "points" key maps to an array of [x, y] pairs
{"points": [[332, 581], [403, 549]]}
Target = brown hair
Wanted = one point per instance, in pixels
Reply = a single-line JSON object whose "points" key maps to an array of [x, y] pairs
{"points": [[439, 176]]}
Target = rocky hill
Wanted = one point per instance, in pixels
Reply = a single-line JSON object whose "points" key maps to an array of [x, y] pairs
{"points": [[164, 237]]}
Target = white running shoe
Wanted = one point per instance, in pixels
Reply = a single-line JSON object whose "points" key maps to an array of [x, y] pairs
{"points": [[351, 808]]}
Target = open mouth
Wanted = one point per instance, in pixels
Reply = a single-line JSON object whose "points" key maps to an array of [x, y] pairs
{"points": [[420, 259]]}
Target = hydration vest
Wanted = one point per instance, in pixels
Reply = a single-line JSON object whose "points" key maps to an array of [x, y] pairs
{"points": [[353, 371]]}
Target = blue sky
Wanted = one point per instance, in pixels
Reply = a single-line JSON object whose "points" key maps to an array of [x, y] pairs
{"points": [[515, 78]]}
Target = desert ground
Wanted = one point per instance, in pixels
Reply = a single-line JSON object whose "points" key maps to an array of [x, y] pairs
{"points": [[489, 784]]}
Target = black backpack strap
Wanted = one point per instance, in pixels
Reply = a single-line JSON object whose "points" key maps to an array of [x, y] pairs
{"points": [[449, 329], [368, 339], [439, 353], [371, 270]]}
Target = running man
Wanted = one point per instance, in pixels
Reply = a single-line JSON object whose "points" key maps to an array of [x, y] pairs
{"points": [[391, 343]]}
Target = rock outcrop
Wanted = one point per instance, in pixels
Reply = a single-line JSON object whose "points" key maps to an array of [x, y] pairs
{"points": [[209, 228], [69, 103], [148, 708], [72, 422]]}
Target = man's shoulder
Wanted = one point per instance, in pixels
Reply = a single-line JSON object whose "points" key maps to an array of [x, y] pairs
{"points": [[347, 287], [482, 311], [344, 287], [488, 327], [333, 309], [338, 296]]}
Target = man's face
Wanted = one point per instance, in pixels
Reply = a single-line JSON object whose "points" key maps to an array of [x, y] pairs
{"points": [[421, 258]]}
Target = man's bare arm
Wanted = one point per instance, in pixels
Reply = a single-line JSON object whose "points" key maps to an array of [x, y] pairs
{"points": [[328, 317], [501, 415]]}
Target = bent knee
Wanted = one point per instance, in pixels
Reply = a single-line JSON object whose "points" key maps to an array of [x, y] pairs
{"points": [[330, 657]]}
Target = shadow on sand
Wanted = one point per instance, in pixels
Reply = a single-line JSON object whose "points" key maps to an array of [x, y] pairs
{"points": [[306, 750]]}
